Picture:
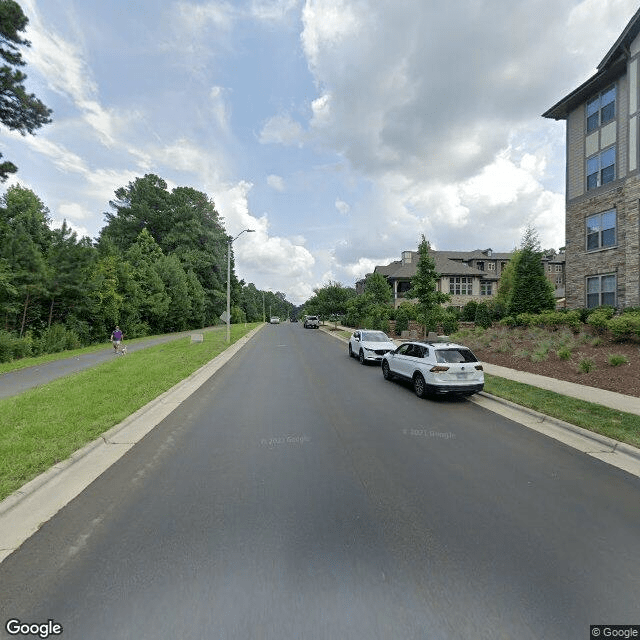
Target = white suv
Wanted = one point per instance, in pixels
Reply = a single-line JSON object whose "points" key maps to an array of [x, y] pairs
{"points": [[369, 346], [435, 367]]}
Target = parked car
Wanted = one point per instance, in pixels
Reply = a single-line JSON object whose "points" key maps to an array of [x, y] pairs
{"points": [[369, 346], [293, 319], [274, 320], [435, 367], [311, 322]]}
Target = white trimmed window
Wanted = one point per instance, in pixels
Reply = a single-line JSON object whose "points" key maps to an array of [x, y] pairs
{"points": [[601, 168], [601, 290], [486, 288], [601, 230], [491, 266], [601, 109]]}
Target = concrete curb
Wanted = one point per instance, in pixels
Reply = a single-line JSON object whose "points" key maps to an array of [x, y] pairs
{"points": [[27, 509], [613, 452]]}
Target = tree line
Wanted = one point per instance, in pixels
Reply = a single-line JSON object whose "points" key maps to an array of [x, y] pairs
{"points": [[158, 265]]}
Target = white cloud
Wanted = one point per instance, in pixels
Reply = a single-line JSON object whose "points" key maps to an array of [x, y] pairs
{"points": [[342, 207], [282, 129], [272, 10], [276, 182]]}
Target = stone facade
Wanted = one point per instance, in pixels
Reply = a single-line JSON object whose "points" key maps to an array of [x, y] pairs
{"points": [[592, 133]]}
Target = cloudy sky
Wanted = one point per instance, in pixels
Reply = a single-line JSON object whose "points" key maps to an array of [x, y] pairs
{"points": [[340, 130]]}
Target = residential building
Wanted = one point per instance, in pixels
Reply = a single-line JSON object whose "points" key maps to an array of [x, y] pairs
{"points": [[466, 275], [603, 179]]}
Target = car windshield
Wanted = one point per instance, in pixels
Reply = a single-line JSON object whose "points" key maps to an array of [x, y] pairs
{"points": [[375, 336], [455, 355]]}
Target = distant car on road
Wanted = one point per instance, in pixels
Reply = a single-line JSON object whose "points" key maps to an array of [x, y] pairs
{"points": [[311, 322], [274, 320], [369, 346], [293, 319], [435, 367]]}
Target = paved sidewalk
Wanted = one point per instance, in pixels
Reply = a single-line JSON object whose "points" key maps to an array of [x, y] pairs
{"points": [[15, 382], [611, 399]]}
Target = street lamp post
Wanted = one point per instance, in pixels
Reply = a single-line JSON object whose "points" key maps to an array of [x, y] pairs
{"points": [[229, 243]]}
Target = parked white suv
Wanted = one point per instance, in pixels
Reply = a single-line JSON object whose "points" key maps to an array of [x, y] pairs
{"points": [[369, 346], [435, 367]]}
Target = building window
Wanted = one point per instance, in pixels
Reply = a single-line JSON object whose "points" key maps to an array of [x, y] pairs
{"points": [[491, 266], [601, 109], [461, 286], [601, 168], [601, 290], [480, 266], [558, 268], [601, 230], [549, 267], [558, 279], [485, 288]]}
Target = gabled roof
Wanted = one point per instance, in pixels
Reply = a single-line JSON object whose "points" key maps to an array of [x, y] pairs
{"points": [[612, 66], [446, 264]]}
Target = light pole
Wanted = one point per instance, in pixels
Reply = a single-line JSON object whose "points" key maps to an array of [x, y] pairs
{"points": [[229, 243]]}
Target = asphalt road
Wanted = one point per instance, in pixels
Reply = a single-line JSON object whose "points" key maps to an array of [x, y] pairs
{"points": [[14, 382], [297, 494]]}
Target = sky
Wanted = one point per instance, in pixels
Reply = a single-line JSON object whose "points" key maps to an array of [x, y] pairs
{"points": [[339, 130]]}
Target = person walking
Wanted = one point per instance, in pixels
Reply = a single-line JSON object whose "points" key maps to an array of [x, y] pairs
{"points": [[116, 338]]}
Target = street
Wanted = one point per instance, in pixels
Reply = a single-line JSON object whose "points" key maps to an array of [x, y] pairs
{"points": [[297, 494]]}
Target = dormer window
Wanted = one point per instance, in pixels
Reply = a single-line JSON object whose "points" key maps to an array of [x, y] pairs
{"points": [[601, 109]]}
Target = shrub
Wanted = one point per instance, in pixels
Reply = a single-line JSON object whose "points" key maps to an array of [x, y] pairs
{"points": [[483, 316], [22, 347], [564, 353], [586, 365], [508, 321], [596, 342], [522, 353], [616, 359], [469, 311], [541, 353], [53, 339], [6, 346], [526, 319], [599, 319], [449, 323], [625, 326]]}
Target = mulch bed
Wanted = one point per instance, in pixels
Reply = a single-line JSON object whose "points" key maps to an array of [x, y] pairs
{"points": [[508, 348]]}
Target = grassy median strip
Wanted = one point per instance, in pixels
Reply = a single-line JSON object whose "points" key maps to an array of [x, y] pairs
{"points": [[624, 427], [45, 425], [24, 363]]}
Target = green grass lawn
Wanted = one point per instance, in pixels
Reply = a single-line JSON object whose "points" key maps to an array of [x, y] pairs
{"points": [[624, 427], [45, 425], [23, 363]]}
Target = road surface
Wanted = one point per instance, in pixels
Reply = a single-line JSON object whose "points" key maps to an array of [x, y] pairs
{"points": [[297, 494]]}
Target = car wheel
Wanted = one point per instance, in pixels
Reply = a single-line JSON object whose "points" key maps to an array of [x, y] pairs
{"points": [[361, 357], [386, 372], [419, 385], [350, 351]]}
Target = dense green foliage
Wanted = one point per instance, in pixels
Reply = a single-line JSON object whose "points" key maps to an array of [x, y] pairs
{"points": [[528, 290], [19, 110], [159, 266]]}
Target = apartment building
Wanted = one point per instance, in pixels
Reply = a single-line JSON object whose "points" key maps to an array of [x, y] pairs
{"points": [[603, 179]]}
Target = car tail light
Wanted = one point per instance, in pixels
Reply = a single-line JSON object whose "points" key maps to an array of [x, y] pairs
{"points": [[479, 367], [438, 369]]}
